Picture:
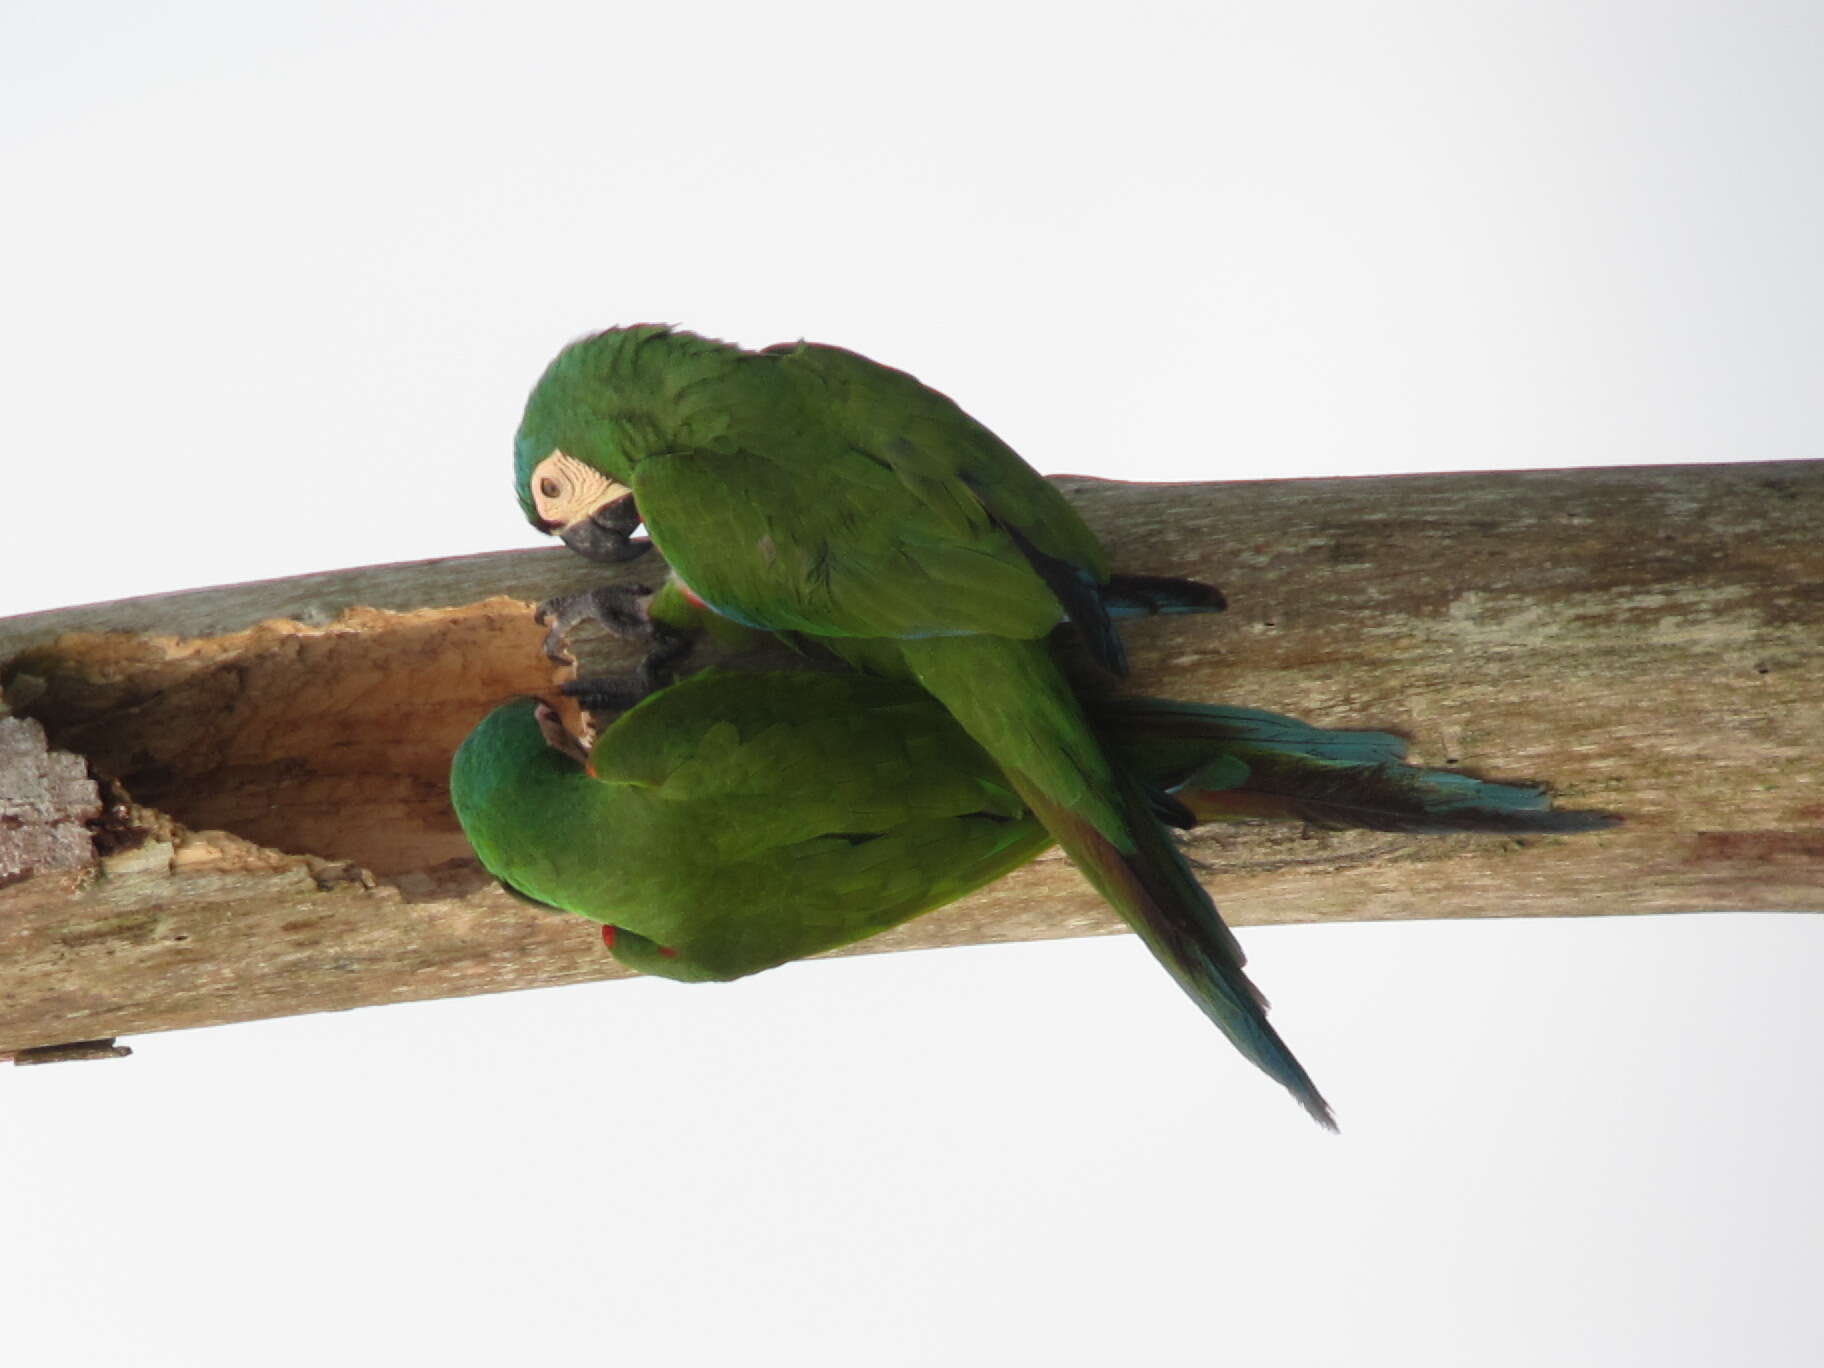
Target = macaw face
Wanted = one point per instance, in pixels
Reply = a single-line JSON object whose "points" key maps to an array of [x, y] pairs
{"points": [[593, 514]]}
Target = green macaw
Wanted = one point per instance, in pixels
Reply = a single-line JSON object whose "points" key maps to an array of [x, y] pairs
{"points": [[807, 489], [736, 821]]}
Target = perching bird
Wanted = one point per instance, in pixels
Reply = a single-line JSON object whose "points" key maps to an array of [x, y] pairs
{"points": [[734, 822], [807, 489]]}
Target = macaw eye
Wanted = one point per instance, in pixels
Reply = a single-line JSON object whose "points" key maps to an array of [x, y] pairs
{"points": [[564, 490]]}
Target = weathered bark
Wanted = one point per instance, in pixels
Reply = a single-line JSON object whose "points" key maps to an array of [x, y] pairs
{"points": [[1649, 640]]}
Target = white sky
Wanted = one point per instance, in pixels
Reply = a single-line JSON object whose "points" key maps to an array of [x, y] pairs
{"points": [[276, 280]]}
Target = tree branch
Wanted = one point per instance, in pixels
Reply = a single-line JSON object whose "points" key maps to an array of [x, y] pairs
{"points": [[271, 834]]}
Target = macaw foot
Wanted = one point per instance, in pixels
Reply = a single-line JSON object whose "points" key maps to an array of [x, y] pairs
{"points": [[620, 609], [623, 610], [617, 693], [609, 693]]}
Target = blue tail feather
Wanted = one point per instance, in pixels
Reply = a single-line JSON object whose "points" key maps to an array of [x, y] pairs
{"points": [[1330, 778]]}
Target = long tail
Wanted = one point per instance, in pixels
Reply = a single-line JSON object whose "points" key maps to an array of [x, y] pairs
{"points": [[1015, 702], [1226, 763]]}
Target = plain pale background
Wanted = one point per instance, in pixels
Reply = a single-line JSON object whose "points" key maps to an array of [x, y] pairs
{"points": [[277, 279]]}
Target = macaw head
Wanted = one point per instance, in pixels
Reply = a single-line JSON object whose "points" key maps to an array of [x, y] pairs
{"points": [[570, 498], [572, 469], [503, 777], [521, 742]]}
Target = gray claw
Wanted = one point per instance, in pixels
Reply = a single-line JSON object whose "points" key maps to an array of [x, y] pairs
{"points": [[619, 608], [607, 693]]}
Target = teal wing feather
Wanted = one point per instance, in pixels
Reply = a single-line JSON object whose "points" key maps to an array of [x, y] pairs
{"points": [[1273, 766]]}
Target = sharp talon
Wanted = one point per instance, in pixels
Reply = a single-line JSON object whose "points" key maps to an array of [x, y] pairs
{"points": [[558, 736], [621, 610], [603, 695], [669, 646]]}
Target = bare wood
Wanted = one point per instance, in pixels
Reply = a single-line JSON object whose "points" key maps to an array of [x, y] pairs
{"points": [[1650, 640]]}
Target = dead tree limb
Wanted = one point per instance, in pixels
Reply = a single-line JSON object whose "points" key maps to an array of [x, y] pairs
{"points": [[267, 831]]}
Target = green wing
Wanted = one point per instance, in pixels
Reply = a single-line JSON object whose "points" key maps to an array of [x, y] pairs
{"points": [[807, 488], [806, 811], [865, 558], [800, 754], [951, 463]]}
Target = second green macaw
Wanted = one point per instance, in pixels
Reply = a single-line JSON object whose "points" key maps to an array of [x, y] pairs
{"points": [[734, 822]]}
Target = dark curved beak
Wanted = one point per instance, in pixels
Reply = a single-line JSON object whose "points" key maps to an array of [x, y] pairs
{"points": [[607, 534]]}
